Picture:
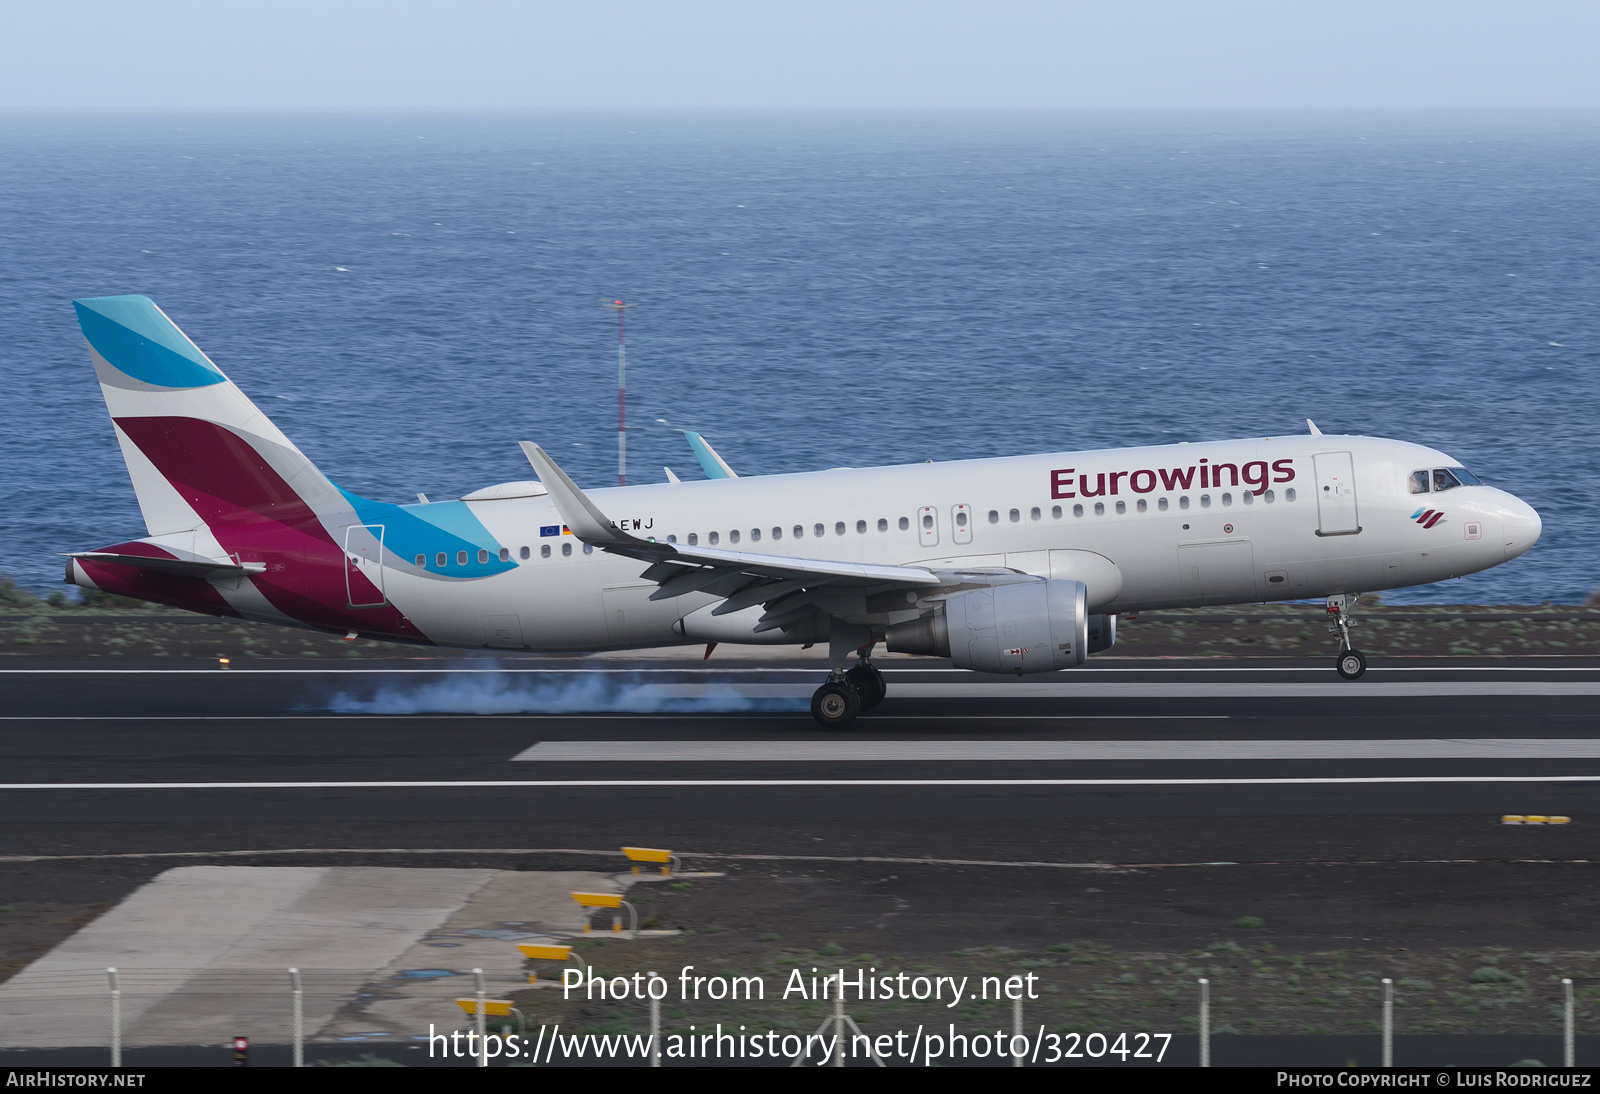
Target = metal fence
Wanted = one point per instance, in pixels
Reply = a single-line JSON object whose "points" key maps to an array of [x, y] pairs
{"points": [[117, 1009]]}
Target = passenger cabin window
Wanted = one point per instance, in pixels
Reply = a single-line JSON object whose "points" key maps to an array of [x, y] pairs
{"points": [[1162, 505], [1122, 507], [1419, 482], [712, 539], [777, 533], [1099, 508], [994, 516], [1077, 510], [819, 531], [483, 556], [544, 550], [861, 527], [905, 523], [1183, 502], [526, 554], [1055, 512], [1288, 495], [461, 558], [883, 525], [422, 560], [799, 531], [694, 539], [733, 536], [1143, 505], [505, 554], [566, 550], [1016, 515], [838, 529], [755, 535], [1034, 514], [441, 559]]}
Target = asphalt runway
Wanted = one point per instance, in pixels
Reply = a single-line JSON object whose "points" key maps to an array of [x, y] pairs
{"points": [[722, 754]]}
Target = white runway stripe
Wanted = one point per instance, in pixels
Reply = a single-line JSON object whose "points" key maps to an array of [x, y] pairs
{"points": [[590, 784], [855, 751], [1161, 689]]}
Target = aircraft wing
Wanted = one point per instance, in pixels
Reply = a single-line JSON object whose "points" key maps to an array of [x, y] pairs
{"points": [[790, 587]]}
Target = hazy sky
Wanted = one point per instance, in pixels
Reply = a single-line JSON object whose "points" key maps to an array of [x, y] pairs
{"points": [[171, 55]]}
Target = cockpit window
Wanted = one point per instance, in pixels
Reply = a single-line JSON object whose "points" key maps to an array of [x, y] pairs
{"points": [[1444, 480], [1466, 478], [1419, 482]]}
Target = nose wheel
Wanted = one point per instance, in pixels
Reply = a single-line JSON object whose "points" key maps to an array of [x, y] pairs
{"points": [[1351, 662]]}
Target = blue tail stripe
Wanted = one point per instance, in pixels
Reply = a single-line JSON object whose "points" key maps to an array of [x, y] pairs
{"points": [[135, 338]]}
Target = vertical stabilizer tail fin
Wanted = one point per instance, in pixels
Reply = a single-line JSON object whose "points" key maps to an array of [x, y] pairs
{"points": [[198, 451]]}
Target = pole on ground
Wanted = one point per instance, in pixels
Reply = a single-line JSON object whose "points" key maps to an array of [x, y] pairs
{"points": [[1388, 1022], [116, 1018], [655, 1025], [299, 1019], [838, 1023], [1568, 1055], [1016, 1031], [483, 1045], [622, 390], [1205, 1022]]}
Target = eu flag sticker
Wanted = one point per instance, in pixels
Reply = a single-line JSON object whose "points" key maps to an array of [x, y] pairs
{"points": [[549, 530]]}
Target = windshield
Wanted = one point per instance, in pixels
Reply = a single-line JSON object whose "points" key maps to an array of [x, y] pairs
{"points": [[1465, 477]]}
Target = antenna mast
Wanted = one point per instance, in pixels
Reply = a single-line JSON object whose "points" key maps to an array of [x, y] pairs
{"points": [[621, 308]]}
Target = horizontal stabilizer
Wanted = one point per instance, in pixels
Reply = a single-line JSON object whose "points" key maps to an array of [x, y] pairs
{"points": [[178, 567]]}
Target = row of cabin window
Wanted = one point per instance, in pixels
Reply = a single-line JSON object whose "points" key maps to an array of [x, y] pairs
{"points": [[442, 559], [797, 532], [840, 528], [1142, 505]]}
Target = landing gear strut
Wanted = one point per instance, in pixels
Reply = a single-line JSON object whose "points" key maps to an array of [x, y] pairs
{"points": [[1351, 662], [848, 692]]}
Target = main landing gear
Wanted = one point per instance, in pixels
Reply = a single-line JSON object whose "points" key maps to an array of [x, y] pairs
{"points": [[1351, 662], [847, 693]]}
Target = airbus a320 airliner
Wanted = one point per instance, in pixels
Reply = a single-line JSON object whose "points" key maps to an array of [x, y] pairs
{"points": [[1018, 564]]}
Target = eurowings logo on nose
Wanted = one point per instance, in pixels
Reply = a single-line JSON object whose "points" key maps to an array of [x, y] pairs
{"points": [[1428, 517]]}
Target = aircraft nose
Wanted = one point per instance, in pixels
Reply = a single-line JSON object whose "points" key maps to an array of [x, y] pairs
{"points": [[1522, 528]]}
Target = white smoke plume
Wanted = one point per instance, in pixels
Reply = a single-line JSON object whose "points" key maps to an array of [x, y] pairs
{"points": [[499, 693]]}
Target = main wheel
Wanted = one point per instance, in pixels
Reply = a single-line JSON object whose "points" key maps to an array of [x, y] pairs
{"points": [[835, 704], [1351, 664], [869, 683]]}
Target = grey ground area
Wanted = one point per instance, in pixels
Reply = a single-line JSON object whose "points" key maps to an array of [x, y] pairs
{"points": [[1138, 823]]}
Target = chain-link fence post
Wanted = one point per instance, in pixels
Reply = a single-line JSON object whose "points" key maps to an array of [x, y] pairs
{"points": [[1568, 1049], [116, 1018], [1388, 1022], [1016, 1031], [1205, 1022], [299, 1019], [838, 1024]]}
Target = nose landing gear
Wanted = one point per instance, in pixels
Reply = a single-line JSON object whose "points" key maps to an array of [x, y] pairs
{"points": [[847, 693], [1351, 662]]}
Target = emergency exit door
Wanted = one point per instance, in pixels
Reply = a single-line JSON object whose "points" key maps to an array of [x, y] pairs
{"points": [[1336, 494]]}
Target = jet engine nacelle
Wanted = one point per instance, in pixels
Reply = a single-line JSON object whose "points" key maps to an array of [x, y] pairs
{"points": [[1031, 626], [1102, 633]]}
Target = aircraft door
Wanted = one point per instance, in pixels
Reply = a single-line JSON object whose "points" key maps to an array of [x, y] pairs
{"points": [[363, 566], [961, 523], [1336, 494], [928, 526]]}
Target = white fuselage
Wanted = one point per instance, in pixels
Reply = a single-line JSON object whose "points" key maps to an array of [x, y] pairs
{"points": [[1120, 520]]}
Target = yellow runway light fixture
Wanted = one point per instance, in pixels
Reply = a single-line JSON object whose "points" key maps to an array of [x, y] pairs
{"points": [[494, 1008], [534, 951], [592, 902], [654, 855]]}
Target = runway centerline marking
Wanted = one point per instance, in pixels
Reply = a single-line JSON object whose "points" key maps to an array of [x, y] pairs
{"points": [[560, 784], [858, 751]]}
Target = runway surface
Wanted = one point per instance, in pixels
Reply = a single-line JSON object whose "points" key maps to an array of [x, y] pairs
{"points": [[698, 749]]}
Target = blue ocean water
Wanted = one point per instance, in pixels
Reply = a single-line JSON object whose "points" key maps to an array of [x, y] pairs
{"points": [[408, 298]]}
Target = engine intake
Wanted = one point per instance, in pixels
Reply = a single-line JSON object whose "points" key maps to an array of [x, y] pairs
{"points": [[1031, 626]]}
